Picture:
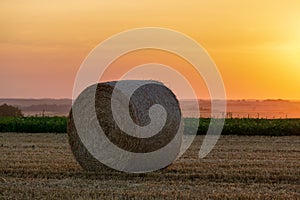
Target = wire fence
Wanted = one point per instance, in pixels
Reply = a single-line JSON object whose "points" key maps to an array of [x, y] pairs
{"points": [[241, 115]]}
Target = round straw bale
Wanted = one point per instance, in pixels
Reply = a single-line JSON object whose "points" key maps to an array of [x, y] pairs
{"points": [[149, 94]]}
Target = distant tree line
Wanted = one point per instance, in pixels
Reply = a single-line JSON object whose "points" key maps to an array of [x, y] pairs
{"points": [[48, 107], [10, 111]]}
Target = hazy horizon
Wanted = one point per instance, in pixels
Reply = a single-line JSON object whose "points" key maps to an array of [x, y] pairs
{"points": [[182, 99], [266, 108]]}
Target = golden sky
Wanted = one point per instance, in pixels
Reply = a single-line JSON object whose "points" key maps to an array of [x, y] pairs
{"points": [[255, 44]]}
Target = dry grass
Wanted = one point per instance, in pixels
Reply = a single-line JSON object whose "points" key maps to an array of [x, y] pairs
{"points": [[41, 166]]}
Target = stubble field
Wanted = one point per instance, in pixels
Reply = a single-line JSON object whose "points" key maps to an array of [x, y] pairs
{"points": [[41, 166]]}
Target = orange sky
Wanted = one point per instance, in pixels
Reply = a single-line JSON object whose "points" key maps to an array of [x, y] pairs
{"points": [[255, 44]]}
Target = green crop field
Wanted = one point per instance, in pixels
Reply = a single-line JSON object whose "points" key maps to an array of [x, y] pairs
{"points": [[244, 126], [33, 124], [250, 126]]}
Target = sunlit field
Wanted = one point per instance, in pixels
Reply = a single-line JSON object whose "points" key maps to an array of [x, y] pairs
{"points": [[41, 166]]}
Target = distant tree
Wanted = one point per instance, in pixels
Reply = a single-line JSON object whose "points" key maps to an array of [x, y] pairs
{"points": [[10, 111]]}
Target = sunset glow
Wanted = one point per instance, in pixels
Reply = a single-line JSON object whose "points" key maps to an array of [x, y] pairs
{"points": [[255, 44]]}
